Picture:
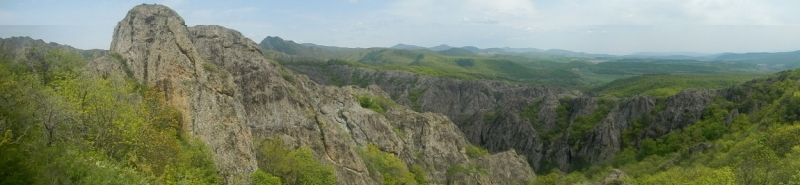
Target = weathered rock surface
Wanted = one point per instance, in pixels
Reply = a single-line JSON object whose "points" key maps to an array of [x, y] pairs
{"points": [[158, 51], [488, 112], [230, 95], [501, 167], [606, 138]]}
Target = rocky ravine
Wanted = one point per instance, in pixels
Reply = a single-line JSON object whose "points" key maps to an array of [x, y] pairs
{"points": [[230, 95], [488, 112]]}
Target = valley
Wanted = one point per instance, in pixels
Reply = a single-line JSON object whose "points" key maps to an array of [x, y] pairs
{"points": [[168, 103]]}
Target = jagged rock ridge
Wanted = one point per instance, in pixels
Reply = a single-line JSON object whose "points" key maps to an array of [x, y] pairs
{"points": [[230, 95], [488, 112]]}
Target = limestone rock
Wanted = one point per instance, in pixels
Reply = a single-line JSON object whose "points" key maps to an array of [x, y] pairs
{"points": [[506, 168], [605, 140], [466, 103], [158, 51], [230, 95]]}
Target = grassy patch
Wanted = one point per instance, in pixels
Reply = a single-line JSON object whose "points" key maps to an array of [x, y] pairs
{"points": [[666, 85]]}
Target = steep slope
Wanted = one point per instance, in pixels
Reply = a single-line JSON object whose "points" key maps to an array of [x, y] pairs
{"points": [[567, 129], [159, 52], [230, 96], [486, 111]]}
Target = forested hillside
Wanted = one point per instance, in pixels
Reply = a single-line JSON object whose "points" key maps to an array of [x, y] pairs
{"points": [[64, 124], [648, 121]]}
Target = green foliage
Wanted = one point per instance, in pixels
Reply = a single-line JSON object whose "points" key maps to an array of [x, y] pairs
{"points": [[387, 168], [296, 166], [64, 127], [665, 85], [413, 96], [287, 76], [532, 113], [377, 104], [476, 151], [430, 63], [582, 125], [465, 62], [759, 146], [558, 178], [691, 175], [117, 57], [420, 175], [260, 177], [210, 67], [626, 156], [561, 124]]}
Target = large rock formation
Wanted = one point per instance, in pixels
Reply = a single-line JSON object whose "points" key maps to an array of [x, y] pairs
{"points": [[159, 52], [230, 95]]}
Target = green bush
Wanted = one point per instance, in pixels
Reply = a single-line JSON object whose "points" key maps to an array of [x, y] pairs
{"points": [[263, 178], [420, 175], [476, 151], [379, 105], [391, 169], [293, 166]]}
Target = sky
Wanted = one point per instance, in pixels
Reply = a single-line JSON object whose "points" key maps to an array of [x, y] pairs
{"points": [[593, 26]]}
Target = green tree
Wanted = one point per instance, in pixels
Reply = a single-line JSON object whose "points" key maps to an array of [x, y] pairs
{"points": [[293, 166]]}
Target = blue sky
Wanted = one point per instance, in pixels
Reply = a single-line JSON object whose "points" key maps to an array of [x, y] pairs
{"points": [[594, 26]]}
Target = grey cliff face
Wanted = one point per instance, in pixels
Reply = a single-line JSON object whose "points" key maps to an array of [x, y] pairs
{"points": [[488, 112], [159, 52], [606, 138], [467, 103], [230, 95]]}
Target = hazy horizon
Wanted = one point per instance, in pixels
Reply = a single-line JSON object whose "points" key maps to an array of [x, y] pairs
{"points": [[618, 27]]}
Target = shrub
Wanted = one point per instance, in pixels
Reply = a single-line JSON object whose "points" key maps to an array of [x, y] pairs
{"points": [[391, 169], [293, 166], [263, 178], [476, 151], [377, 104]]}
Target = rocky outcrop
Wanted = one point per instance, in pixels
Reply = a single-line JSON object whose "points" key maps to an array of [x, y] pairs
{"points": [[156, 46], [230, 95], [488, 112], [682, 109], [606, 138], [501, 167]]}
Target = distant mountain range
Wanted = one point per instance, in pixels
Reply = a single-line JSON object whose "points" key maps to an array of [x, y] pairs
{"points": [[772, 60]]}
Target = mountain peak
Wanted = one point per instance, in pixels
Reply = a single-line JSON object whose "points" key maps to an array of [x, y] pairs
{"points": [[408, 47], [441, 47]]}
